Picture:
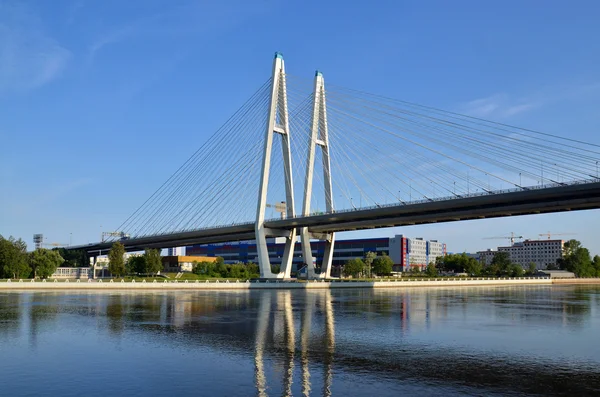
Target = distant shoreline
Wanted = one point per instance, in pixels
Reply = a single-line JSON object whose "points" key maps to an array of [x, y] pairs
{"points": [[27, 285]]}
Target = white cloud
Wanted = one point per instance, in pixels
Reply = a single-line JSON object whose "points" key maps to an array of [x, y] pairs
{"points": [[499, 106], [29, 59], [502, 106]]}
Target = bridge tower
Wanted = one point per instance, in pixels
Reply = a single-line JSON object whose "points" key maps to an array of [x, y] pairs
{"points": [[318, 137], [277, 123]]}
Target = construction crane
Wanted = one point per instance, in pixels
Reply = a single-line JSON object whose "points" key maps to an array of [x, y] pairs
{"points": [[556, 234], [55, 244], [122, 235], [279, 207], [512, 238]]}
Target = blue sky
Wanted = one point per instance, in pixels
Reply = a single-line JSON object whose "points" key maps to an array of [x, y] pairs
{"points": [[100, 101]]}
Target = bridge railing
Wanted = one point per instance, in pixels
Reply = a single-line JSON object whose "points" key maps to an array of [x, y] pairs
{"points": [[387, 205], [452, 197]]}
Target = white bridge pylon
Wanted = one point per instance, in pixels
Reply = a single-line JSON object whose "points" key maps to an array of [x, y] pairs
{"points": [[278, 123]]}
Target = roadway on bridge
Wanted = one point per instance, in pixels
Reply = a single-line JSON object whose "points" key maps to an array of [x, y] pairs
{"points": [[579, 196]]}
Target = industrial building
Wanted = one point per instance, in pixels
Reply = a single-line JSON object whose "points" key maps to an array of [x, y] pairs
{"points": [[540, 252], [178, 263], [405, 252]]}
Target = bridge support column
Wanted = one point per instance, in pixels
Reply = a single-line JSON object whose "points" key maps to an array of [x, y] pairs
{"points": [[277, 123], [319, 136]]}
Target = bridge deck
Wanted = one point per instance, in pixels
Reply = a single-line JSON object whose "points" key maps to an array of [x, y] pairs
{"points": [[535, 201]]}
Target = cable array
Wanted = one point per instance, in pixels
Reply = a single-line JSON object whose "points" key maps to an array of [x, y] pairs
{"points": [[217, 185], [382, 152], [385, 151]]}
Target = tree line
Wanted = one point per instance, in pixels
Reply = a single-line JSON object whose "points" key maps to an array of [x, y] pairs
{"points": [[501, 266], [17, 263], [578, 260], [575, 258], [219, 269], [371, 264], [149, 263]]}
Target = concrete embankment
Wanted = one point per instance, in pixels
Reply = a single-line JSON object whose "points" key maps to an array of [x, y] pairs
{"points": [[576, 281], [245, 285]]}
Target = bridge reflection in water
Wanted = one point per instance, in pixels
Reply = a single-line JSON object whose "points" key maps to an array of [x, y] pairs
{"points": [[284, 332]]}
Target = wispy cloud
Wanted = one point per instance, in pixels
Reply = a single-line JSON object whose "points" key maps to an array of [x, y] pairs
{"points": [[110, 37], [502, 105], [190, 19], [499, 106], [29, 58]]}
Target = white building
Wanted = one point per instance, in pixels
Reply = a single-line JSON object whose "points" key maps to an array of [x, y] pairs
{"points": [[540, 252], [435, 249], [176, 251], [408, 253], [485, 257]]}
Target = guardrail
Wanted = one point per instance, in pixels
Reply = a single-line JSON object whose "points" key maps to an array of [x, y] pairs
{"points": [[274, 281], [395, 204]]}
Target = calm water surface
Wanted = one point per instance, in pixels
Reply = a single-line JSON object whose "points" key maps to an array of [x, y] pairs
{"points": [[482, 341]]}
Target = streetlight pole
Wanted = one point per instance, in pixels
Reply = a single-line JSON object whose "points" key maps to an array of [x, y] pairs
{"points": [[542, 164], [520, 181], [468, 183]]}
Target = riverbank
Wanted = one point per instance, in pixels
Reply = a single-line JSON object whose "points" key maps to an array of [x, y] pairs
{"points": [[286, 285], [246, 285]]}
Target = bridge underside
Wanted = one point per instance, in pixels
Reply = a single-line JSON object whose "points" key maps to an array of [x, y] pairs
{"points": [[537, 201]]}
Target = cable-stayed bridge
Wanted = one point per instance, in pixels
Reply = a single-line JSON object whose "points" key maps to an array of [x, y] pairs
{"points": [[335, 159]]}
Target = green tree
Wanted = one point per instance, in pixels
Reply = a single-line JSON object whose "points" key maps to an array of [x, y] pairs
{"points": [[516, 270], [368, 260], [382, 265], [153, 261], [354, 267], [458, 263], [531, 269], [44, 262], [577, 259], [116, 264], [253, 270], [135, 264], [205, 269], [219, 269], [431, 270], [471, 266], [73, 258], [596, 264], [13, 258], [571, 247], [501, 264]]}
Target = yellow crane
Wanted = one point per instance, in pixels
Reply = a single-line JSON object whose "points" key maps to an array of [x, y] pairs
{"points": [[512, 238], [279, 207], [556, 234], [55, 245]]}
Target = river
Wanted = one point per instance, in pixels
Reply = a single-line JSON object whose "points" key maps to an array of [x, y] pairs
{"points": [[480, 341]]}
